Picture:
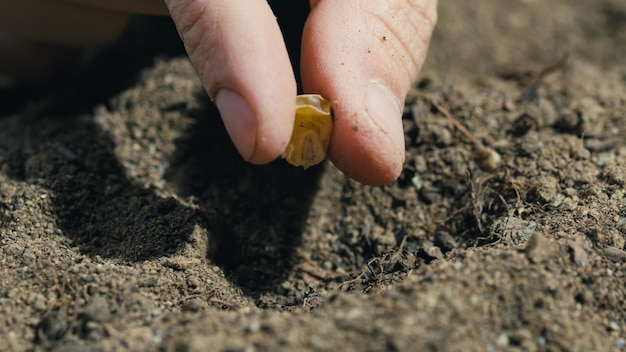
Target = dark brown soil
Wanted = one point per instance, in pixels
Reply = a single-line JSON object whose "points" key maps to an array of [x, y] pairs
{"points": [[129, 222]]}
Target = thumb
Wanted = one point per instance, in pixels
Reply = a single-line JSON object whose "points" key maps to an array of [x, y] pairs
{"points": [[363, 56]]}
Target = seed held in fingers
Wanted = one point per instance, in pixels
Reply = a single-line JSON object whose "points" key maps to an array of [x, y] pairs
{"points": [[312, 129]]}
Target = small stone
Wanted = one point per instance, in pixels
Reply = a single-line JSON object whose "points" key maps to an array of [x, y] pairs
{"points": [[614, 254], [417, 182], [489, 159], [97, 310], [523, 124], [569, 121], [538, 249], [602, 145], [502, 341], [578, 254]]}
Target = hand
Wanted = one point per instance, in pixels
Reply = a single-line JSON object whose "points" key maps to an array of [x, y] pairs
{"points": [[361, 55]]}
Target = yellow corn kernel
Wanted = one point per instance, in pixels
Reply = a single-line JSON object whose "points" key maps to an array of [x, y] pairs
{"points": [[312, 129]]}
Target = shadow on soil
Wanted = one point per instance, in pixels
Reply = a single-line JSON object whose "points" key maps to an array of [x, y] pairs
{"points": [[58, 146], [253, 215], [259, 211]]}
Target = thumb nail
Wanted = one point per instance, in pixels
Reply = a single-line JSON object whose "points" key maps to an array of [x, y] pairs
{"points": [[239, 120], [384, 110]]}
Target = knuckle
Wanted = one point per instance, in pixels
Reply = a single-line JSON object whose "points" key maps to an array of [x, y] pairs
{"points": [[188, 17], [197, 28]]}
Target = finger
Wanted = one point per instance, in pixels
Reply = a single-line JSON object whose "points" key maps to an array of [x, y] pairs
{"points": [[363, 55], [239, 53]]}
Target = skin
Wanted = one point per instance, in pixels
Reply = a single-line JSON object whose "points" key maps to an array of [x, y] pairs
{"points": [[361, 55]]}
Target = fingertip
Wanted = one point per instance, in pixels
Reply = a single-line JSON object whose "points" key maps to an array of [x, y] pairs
{"points": [[368, 144], [375, 174], [259, 139], [276, 119], [239, 120]]}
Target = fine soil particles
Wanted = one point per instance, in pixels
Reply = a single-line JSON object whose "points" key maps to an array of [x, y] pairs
{"points": [[128, 222]]}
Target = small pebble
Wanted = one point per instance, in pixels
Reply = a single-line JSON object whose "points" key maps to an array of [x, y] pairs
{"points": [[489, 159], [578, 253], [614, 254], [538, 249]]}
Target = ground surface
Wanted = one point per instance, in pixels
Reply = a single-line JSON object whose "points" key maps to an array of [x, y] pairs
{"points": [[128, 222]]}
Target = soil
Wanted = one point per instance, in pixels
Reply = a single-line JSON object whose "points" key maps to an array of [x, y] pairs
{"points": [[128, 222]]}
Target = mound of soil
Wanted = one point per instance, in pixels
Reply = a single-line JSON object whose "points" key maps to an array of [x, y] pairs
{"points": [[129, 222]]}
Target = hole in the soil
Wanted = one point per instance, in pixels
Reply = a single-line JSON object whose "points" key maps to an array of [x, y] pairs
{"points": [[260, 210], [257, 240]]}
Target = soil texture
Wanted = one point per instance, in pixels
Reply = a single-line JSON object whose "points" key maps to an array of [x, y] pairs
{"points": [[128, 222]]}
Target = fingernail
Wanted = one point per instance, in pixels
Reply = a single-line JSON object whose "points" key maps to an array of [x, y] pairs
{"points": [[239, 120], [384, 110]]}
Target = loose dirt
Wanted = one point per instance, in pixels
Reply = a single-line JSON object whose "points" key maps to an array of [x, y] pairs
{"points": [[128, 222]]}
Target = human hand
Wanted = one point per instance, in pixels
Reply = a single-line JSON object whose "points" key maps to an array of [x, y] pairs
{"points": [[361, 55]]}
